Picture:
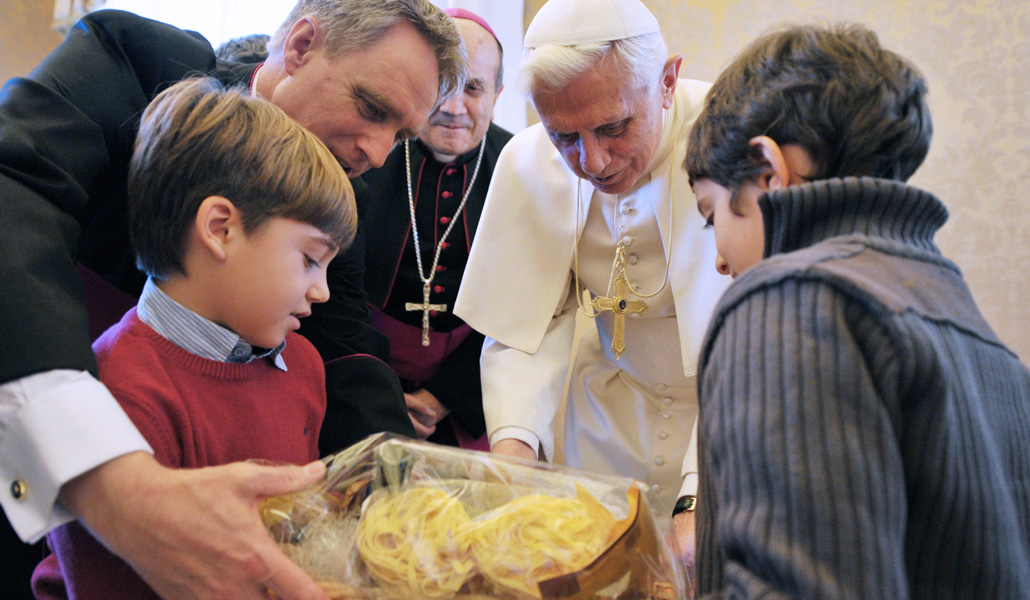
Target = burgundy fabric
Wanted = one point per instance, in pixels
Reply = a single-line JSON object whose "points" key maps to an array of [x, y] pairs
{"points": [[462, 13], [417, 363], [465, 440], [194, 412], [47, 581], [408, 357], [105, 303]]}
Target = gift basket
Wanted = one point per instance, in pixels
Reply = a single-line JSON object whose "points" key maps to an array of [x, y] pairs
{"points": [[401, 519]]}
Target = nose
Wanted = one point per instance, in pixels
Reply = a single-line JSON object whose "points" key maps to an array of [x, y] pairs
{"points": [[319, 290], [721, 265], [377, 146], [593, 156], [454, 105]]}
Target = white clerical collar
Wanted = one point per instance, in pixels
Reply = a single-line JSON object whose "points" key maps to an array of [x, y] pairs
{"points": [[443, 158]]}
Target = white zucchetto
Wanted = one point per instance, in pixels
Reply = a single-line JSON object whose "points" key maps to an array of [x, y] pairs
{"points": [[571, 22]]}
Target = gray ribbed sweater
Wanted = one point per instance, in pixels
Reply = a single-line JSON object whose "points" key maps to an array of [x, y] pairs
{"points": [[864, 434]]}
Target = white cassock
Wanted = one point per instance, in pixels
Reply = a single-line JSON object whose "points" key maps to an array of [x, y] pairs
{"points": [[634, 416]]}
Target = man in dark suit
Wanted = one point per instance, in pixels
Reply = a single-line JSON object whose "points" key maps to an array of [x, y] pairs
{"points": [[360, 74], [414, 267]]}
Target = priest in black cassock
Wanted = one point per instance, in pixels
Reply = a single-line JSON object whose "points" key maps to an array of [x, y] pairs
{"points": [[426, 202]]}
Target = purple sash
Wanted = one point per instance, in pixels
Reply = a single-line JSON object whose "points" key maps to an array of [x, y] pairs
{"points": [[408, 357], [417, 363]]}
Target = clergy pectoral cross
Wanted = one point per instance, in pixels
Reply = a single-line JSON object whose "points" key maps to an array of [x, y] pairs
{"points": [[425, 307], [619, 305]]}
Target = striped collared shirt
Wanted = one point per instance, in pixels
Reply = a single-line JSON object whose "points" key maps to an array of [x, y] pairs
{"points": [[195, 334]]}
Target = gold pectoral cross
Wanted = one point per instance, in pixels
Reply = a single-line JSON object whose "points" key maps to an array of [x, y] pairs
{"points": [[619, 305], [425, 307]]}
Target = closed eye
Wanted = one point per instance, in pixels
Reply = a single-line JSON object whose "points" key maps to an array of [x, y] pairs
{"points": [[564, 139], [613, 129], [372, 112]]}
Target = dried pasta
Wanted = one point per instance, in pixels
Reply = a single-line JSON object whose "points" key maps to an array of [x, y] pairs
{"points": [[536, 537], [413, 542], [422, 541]]}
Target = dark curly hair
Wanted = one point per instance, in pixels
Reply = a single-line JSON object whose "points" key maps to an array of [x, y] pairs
{"points": [[855, 107]]}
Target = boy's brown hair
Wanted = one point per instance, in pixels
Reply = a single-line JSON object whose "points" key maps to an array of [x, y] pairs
{"points": [[198, 139], [855, 107]]}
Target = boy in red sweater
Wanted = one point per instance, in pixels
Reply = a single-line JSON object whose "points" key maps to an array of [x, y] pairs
{"points": [[234, 212]]}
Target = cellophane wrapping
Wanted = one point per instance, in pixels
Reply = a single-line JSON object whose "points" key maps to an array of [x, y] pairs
{"points": [[402, 519]]}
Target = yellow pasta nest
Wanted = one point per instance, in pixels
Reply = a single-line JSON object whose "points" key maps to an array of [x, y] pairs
{"points": [[412, 542], [421, 541], [535, 537]]}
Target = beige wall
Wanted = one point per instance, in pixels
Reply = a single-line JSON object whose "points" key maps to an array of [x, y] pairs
{"points": [[975, 56], [25, 35]]}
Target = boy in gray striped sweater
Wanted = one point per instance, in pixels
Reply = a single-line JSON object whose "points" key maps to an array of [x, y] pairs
{"points": [[863, 432]]}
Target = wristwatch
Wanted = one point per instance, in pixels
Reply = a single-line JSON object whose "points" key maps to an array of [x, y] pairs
{"points": [[685, 504]]}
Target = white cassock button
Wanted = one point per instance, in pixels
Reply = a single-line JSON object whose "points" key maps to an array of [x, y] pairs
{"points": [[659, 461], [656, 488], [633, 259], [661, 387], [665, 415], [627, 240], [663, 435], [666, 401]]}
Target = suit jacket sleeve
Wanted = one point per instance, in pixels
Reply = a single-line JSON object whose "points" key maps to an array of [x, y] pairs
{"points": [[66, 131], [803, 488]]}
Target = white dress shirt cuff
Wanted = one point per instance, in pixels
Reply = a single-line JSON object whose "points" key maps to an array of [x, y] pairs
{"points": [[689, 487], [55, 426], [518, 433]]}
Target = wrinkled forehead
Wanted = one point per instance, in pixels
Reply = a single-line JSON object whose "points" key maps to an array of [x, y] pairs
{"points": [[575, 108]]}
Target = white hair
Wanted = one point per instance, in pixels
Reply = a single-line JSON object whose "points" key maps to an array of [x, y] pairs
{"points": [[641, 59]]}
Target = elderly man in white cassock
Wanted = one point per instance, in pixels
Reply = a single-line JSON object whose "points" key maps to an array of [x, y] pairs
{"points": [[594, 198]]}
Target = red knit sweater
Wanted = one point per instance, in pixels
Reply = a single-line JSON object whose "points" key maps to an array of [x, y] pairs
{"points": [[194, 412]]}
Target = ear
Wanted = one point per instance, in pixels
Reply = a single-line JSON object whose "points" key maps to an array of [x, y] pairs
{"points": [[670, 75], [217, 224], [300, 41], [778, 174]]}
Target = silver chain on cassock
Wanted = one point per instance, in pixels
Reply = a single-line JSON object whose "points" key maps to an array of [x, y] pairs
{"points": [[427, 282]]}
